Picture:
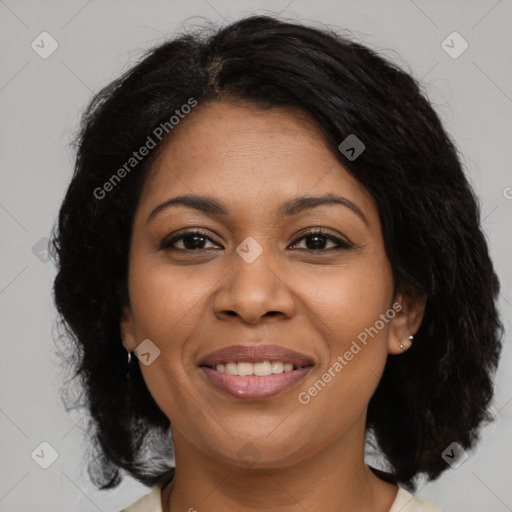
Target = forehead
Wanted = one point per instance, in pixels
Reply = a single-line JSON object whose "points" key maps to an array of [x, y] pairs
{"points": [[249, 157]]}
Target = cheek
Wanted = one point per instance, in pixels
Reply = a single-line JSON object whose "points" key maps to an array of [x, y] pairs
{"points": [[352, 309], [166, 304], [345, 301], [167, 301]]}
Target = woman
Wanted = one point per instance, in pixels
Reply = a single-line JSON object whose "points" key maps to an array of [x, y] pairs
{"points": [[269, 250]]}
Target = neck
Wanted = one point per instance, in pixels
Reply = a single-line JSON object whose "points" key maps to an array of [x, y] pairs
{"points": [[334, 479]]}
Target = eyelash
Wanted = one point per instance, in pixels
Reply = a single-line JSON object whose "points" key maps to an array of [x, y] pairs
{"points": [[342, 244]]}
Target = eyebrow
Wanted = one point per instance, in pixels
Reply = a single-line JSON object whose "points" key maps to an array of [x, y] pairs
{"points": [[211, 206]]}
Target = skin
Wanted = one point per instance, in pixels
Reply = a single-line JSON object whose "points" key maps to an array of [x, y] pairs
{"points": [[190, 303]]}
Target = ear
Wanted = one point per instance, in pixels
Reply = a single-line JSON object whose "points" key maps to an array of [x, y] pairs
{"points": [[128, 330], [409, 305]]}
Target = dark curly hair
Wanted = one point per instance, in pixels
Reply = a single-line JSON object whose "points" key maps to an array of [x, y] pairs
{"points": [[429, 215]]}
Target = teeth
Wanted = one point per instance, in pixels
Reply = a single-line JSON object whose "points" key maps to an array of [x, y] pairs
{"points": [[261, 369], [231, 368], [245, 368], [277, 367]]}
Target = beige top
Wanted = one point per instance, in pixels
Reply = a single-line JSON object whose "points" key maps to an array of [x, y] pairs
{"points": [[404, 502]]}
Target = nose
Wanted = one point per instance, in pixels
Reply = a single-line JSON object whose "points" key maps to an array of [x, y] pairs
{"points": [[255, 290]]}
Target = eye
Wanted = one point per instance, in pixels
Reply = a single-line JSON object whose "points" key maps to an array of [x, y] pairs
{"points": [[318, 239], [193, 240]]}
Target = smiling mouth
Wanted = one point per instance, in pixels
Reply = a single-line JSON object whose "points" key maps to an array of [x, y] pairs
{"points": [[259, 369], [252, 381]]}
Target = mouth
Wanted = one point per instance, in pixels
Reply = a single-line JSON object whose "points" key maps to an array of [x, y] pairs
{"points": [[255, 372]]}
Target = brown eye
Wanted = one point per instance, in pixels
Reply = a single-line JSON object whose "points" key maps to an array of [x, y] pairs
{"points": [[191, 241], [318, 239]]}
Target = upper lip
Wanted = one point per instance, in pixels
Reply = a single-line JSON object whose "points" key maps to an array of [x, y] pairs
{"points": [[255, 354]]}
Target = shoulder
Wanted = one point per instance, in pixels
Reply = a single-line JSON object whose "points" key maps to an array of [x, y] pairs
{"points": [[151, 502], [406, 502]]}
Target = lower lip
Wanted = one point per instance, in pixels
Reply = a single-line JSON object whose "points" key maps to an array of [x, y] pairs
{"points": [[253, 387]]}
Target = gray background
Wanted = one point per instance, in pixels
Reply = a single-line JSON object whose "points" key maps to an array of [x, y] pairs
{"points": [[40, 104]]}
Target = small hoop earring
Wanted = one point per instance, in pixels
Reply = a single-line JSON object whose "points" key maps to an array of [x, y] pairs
{"points": [[411, 338], [401, 346], [129, 357]]}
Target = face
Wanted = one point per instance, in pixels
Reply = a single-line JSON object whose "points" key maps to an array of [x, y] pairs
{"points": [[259, 274]]}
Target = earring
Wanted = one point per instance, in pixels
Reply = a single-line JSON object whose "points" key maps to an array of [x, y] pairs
{"points": [[410, 338], [127, 372]]}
